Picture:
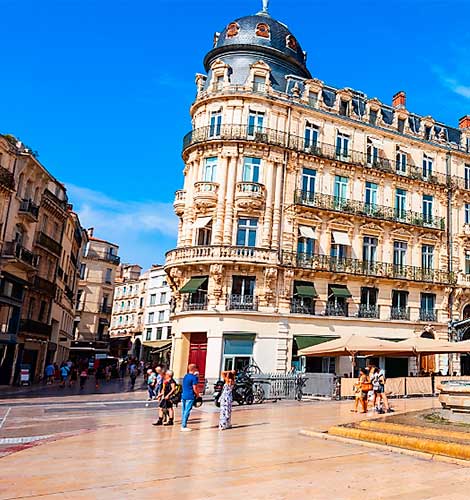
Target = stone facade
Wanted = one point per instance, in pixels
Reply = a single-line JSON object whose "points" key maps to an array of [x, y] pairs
{"points": [[311, 212]]}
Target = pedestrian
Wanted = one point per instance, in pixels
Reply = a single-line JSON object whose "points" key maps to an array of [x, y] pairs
{"points": [[73, 376], [366, 386], [50, 373], [133, 372], [151, 384], [166, 406], [122, 369], [83, 378], [226, 400], [190, 393], [377, 378], [107, 373], [64, 373]]}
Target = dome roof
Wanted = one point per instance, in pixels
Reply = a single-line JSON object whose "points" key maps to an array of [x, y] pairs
{"points": [[262, 34]]}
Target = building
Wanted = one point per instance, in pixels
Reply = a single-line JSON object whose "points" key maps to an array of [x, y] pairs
{"points": [[36, 293], [157, 325], [309, 212], [98, 268], [128, 311]]}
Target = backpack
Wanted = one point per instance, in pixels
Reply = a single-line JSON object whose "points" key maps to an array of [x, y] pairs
{"points": [[175, 398]]}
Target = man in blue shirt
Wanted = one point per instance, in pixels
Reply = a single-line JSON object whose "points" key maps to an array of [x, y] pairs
{"points": [[189, 394]]}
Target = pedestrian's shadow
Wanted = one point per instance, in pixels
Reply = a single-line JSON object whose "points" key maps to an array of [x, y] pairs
{"points": [[241, 426]]}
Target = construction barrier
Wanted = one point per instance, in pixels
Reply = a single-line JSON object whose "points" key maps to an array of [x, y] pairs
{"points": [[419, 386], [395, 387]]}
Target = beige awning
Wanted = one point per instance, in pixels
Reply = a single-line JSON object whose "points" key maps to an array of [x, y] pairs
{"points": [[202, 222], [341, 238], [307, 232], [155, 344]]}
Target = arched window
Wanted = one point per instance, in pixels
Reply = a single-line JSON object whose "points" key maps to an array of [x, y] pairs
{"points": [[466, 312], [262, 30], [232, 30]]}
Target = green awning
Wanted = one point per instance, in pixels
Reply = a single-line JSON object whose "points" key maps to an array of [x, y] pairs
{"points": [[341, 291], [306, 290], [304, 341], [193, 285], [389, 339]]}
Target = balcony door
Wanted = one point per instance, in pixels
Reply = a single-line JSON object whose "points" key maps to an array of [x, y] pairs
{"points": [[342, 146], [369, 251], [399, 258], [368, 306], [215, 124], [399, 304], [243, 290], [427, 208], [311, 137], [371, 195], [255, 122], [400, 204], [309, 177], [340, 191], [428, 307], [251, 168]]}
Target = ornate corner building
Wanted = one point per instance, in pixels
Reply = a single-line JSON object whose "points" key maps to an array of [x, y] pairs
{"points": [[309, 212]]}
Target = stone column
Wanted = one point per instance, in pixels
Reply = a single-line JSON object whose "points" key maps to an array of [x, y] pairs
{"points": [[218, 223], [268, 214], [232, 163], [276, 220]]}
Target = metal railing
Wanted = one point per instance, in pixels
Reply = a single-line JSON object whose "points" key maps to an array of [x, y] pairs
{"points": [[7, 178], [299, 306], [373, 211], [38, 327], [368, 311], [106, 256], [427, 314], [239, 302], [252, 188], [402, 313], [319, 262], [332, 309], [294, 142], [30, 208], [44, 285], [105, 308], [46, 241], [195, 302], [14, 249]]}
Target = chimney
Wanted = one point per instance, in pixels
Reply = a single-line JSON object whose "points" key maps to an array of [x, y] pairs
{"points": [[399, 100], [90, 231], [464, 122]]}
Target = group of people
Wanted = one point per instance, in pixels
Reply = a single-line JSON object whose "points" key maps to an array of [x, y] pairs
{"points": [[162, 387], [370, 388]]}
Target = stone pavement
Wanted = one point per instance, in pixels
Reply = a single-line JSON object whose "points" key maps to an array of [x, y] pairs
{"points": [[106, 448]]}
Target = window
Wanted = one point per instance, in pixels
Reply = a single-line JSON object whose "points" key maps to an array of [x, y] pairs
{"points": [[168, 332], [342, 145], [428, 304], [467, 213], [401, 159], [215, 122], [82, 271], [204, 235], [210, 169], [219, 82], [246, 233], [151, 317], [400, 203], [338, 251], [401, 125], [371, 194], [427, 167], [243, 290], [372, 152], [467, 262], [163, 298], [122, 305], [373, 117], [369, 249], [344, 107], [467, 176], [153, 299], [313, 99], [399, 305], [305, 246], [148, 334], [308, 181], [368, 307], [341, 188], [159, 332], [251, 168], [259, 83], [427, 133], [427, 208], [120, 319], [399, 253], [42, 311], [427, 257], [237, 353], [108, 276], [310, 136], [161, 316], [255, 122]]}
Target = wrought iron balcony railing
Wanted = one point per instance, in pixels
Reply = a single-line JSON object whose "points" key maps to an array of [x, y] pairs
{"points": [[37, 327], [14, 249], [319, 262], [299, 306], [44, 285], [29, 208], [373, 211], [294, 142], [332, 309], [106, 256], [194, 302], [7, 179], [46, 241], [402, 313], [242, 302], [427, 314], [368, 311]]}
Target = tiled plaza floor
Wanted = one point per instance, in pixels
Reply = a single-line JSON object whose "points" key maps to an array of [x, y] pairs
{"points": [[104, 447]]}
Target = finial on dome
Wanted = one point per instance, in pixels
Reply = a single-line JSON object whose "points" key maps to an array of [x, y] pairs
{"points": [[265, 6]]}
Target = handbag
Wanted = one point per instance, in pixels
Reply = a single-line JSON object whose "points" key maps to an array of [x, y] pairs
{"points": [[366, 387]]}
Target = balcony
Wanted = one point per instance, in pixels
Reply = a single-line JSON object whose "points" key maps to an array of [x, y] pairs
{"points": [[400, 313], [358, 267], [49, 243], [428, 315], [180, 200], [205, 194], [29, 209], [223, 253], [106, 309], [35, 327], [106, 256], [69, 293], [238, 302], [195, 302], [298, 306], [368, 311], [7, 180], [297, 143], [44, 286], [12, 249], [337, 309], [250, 195], [362, 209]]}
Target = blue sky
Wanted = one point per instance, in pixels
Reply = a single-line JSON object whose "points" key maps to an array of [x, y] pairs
{"points": [[102, 89]]}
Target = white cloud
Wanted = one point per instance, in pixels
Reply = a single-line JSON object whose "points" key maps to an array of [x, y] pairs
{"points": [[144, 230], [453, 82]]}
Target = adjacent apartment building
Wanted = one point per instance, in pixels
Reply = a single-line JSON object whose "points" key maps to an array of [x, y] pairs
{"points": [[99, 264], [40, 238], [309, 212]]}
